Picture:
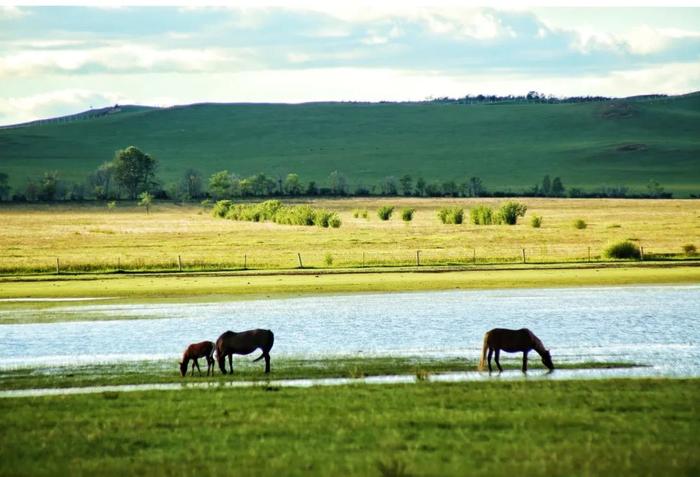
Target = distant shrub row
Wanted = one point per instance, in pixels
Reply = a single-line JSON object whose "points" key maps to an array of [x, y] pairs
{"points": [[275, 211], [508, 214]]}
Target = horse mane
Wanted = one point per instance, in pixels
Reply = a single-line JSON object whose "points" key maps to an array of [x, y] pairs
{"points": [[537, 343]]}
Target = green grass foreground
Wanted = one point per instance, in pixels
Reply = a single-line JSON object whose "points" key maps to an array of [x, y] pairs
{"points": [[582, 428], [166, 371]]}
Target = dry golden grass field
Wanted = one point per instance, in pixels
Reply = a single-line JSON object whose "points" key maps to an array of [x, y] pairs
{"points": [[91, 237]]}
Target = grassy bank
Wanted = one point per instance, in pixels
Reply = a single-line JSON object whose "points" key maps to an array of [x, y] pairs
{"points": [[93, 238], [211, 287], [616, 427], [153, 372]]}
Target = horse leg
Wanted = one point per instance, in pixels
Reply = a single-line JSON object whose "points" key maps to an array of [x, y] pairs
{"points": [[198, 368], [193, 367], [267, 363], [498, 363], [489, 358], [524, 361], [230, 362]]}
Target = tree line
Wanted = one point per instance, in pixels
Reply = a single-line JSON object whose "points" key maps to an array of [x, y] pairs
{"points": [[132, 173]]}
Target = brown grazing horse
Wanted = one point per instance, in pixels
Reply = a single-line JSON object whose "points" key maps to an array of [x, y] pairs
{"points": [[245, 342], [205, 349], [513, 341]]}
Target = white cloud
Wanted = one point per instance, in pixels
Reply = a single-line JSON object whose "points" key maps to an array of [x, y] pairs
{"points": [[55, 103], [11, 13], [123, 58]]}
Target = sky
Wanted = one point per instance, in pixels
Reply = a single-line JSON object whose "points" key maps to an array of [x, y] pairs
{"points": [[61, 60]]}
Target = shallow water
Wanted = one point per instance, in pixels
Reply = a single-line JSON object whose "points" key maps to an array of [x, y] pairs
{"points": [[654, 325], [472, 376]]}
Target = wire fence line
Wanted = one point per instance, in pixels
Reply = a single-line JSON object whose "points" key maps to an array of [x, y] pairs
{"points": [[284, 260]]}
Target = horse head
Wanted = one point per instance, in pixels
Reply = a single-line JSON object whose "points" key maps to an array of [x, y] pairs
{"points": [[183, 368], [547, 360]]}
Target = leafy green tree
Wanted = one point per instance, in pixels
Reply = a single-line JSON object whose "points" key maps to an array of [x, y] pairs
{"points": [[420, 187], [406, 184], [292, 185], [100, 181], [31, 190], [4, 186], [146, 200], [654, 189], [134, 170], [48, 187], [546, 185], [338, 183], [476, 187], [557, 187], [191, 184], [261, 185], [449, 188], [220, 184], [389, 186]]}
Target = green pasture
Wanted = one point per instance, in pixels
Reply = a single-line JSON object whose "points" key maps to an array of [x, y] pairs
{"points": [[510, 146], [583, 428]]}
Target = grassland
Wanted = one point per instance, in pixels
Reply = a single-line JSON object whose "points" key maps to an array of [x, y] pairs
{"points": [[617, 427], [510, 146], [166, 371], [91, 238]]}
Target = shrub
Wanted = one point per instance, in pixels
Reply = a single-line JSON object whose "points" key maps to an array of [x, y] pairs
{"points": [[322, 218], [451, 215], [481, 215], [510, 211], [335, 221], [580, 224], [112, 205], [328, 260], [536, 221], [624, 249], [689, 249], [359, 213], [385, 212], [407, 214], [221, 207]]}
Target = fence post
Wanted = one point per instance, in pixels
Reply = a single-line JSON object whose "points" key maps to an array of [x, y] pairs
{"points": [[245, 261], [301, 265], [179, 263], [474, 256], [119, 264], [641, 253], [417, 258], [589, 254], [57, 267], [523, 250], [363, 259]]}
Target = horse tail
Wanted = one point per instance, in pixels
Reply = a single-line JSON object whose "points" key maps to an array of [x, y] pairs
{"points": [[261, 357], [220, 358], [484, 349]]}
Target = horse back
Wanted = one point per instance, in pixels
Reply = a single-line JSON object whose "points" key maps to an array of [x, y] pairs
{"points": [[199, 350], [245, 342], [510, 340]]}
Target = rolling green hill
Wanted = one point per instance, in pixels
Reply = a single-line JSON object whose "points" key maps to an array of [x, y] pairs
{"points": [[510, 146]]}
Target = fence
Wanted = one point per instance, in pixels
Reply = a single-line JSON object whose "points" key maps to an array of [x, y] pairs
{"points": [[284, 260]]}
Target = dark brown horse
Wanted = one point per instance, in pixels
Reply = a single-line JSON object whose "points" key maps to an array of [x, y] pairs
{"points": [[245, 342], [513, 341], [205, 349]]}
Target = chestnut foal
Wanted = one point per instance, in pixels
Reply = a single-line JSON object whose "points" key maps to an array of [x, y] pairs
{"points": [[205, 349]]}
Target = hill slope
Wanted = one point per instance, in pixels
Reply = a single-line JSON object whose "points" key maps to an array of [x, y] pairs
{"points": [[623, 142]]}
